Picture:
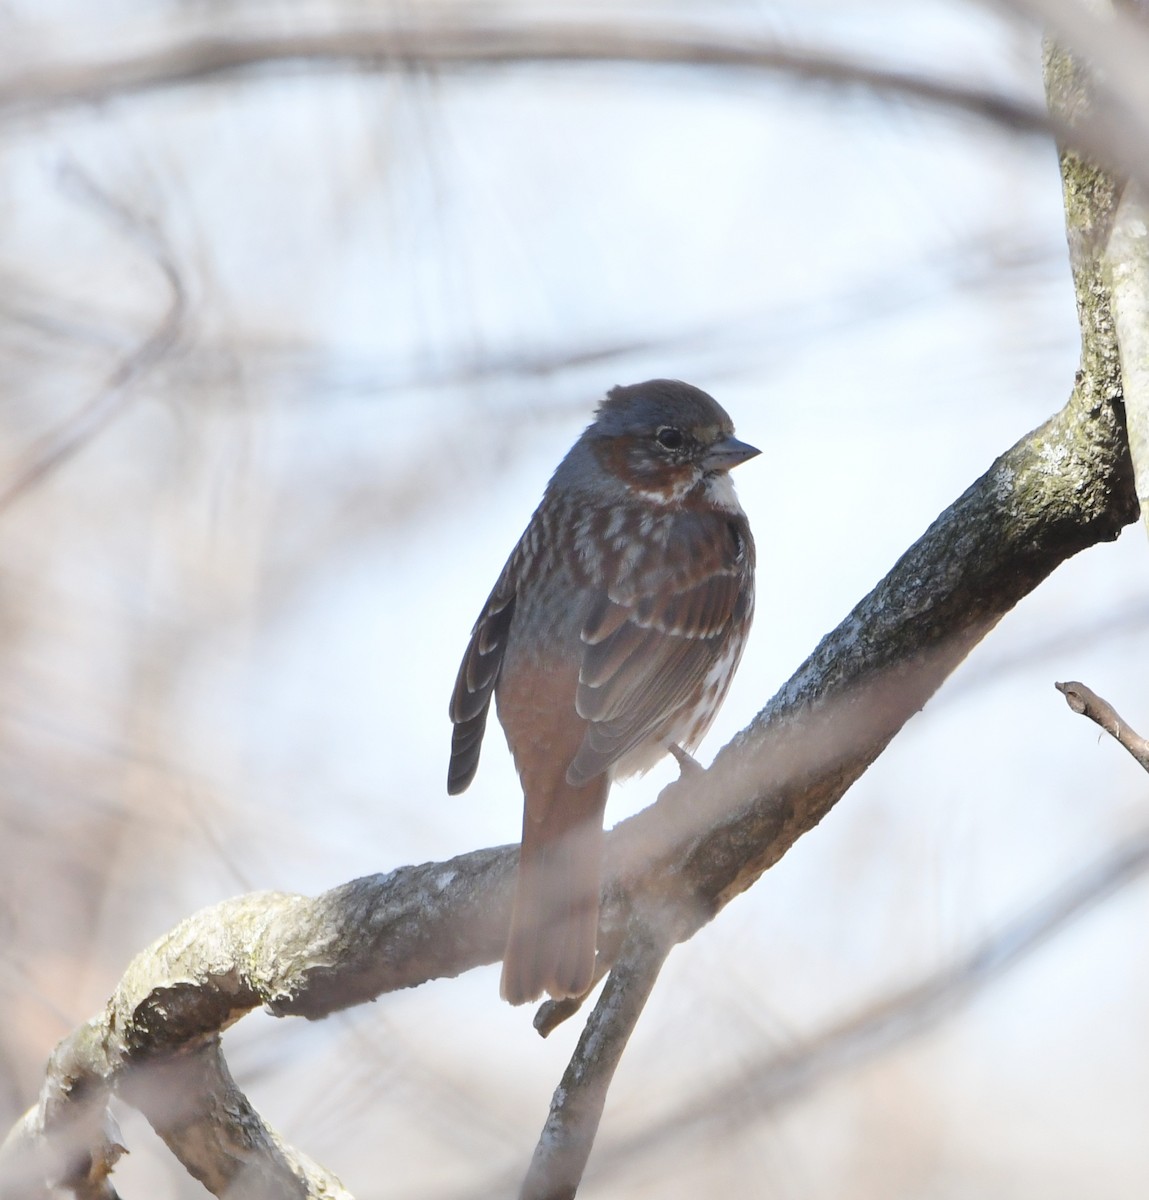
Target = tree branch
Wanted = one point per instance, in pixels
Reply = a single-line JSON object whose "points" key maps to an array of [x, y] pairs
{"points": [[460, 39], [1127, 267], [576, 1108], [775, 1078], [1088, 703]]}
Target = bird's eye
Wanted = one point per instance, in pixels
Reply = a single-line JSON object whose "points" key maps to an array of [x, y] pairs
{"points": [[670, 438]]}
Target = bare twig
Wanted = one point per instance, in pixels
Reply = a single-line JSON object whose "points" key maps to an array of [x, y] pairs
{"points": [[1089, 704]]}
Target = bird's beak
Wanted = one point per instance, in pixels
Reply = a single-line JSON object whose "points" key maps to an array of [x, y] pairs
{"points": [[728, 453]]}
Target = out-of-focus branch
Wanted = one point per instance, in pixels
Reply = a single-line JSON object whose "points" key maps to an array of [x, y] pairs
{"points": [[157, 1045], [58, 446], [456, 39], [1089, 704], [192, 1102], [460, 39], [1114, 39]]}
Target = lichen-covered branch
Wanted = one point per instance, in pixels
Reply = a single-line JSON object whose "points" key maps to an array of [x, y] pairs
{"points": [[158, 1036], [1127, 260], [1107, 213]]}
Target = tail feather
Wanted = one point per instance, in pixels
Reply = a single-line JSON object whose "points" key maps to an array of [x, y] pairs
{"points": [[554, 924]]}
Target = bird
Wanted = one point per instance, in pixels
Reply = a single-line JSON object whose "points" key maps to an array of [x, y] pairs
{"points": [[608, 641]]}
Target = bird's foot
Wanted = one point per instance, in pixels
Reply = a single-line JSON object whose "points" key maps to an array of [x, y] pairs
{"points": [[689, 767], [690, 773]]}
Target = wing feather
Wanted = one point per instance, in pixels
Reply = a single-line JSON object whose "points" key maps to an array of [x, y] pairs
{"points": [[651, 643], [475, 684]]}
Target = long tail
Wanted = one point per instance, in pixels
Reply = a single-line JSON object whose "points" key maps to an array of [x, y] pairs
{"points": [[554, 924]]}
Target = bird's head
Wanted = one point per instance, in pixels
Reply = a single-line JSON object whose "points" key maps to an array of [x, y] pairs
{"points": [[663, 439]]}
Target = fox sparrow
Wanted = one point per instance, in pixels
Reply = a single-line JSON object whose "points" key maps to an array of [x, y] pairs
{"points": [[609, 640]]}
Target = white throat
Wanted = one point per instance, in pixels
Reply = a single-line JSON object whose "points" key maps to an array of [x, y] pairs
{"points": [[720, 492]]}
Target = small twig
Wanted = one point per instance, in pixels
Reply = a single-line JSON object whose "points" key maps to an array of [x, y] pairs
{"points": [[576, 1109], [1086, 702]]}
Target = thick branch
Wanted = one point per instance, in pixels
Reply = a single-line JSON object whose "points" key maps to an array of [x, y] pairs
{"points": [[1064, 487], [1127, 262], [157, 1045]]}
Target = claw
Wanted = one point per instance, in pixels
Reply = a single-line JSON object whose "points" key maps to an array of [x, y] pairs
{"points": [[688, 766]]}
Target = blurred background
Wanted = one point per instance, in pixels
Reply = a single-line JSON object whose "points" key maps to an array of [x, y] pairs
{"points": [[287, 357]]}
